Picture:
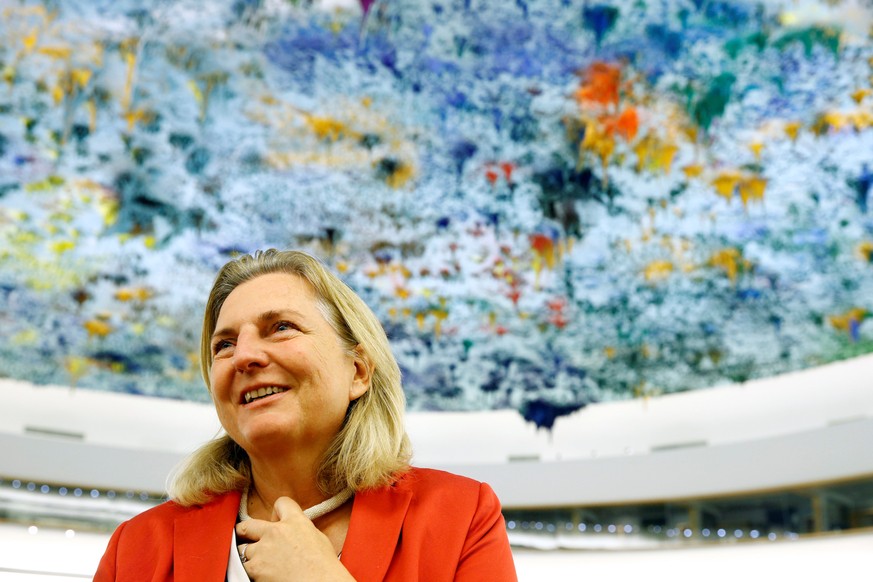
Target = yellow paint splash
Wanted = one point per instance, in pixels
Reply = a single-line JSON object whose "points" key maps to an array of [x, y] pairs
{"points": [[729, 260], [756, 148], [97, 327], [846, 321], [127, 294], [655, 154], [658, 270], [26, 337], [752, 189]]}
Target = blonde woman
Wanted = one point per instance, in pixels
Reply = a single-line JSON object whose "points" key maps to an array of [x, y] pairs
{"points": [[311, 479]]}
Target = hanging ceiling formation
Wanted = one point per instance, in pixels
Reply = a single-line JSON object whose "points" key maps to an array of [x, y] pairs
{"points": [[547, 203]]}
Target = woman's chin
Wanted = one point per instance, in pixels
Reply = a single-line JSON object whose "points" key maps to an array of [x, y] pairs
{"points": [[265, 433]]}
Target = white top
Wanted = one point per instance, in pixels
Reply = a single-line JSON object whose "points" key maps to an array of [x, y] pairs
{"points": [[235, 570]]}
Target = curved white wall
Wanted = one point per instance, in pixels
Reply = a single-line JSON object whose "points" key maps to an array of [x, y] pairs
{"points": [[828, 454], [791, 430]]}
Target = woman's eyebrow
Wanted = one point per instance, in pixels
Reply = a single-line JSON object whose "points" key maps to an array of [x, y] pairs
{"points": [[263, 318]]}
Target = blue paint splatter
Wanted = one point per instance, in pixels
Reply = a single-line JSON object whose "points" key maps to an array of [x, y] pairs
{"points": [[600, 19], [544, 413]]}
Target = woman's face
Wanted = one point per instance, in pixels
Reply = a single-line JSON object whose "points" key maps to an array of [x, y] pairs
{"points": [[280, 378]]}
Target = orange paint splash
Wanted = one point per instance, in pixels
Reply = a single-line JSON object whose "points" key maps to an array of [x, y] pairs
{"points": [[493, 172], [626, 124], [600, 86], [544, 249]]}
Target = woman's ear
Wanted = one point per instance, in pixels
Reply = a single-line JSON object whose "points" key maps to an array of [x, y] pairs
{"points": [[363, 374]]}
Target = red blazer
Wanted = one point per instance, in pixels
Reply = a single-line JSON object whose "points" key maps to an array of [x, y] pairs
{"points": [[429, 525]]}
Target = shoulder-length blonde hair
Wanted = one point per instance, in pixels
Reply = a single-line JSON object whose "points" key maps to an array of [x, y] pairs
{"points": [[372, 444]]}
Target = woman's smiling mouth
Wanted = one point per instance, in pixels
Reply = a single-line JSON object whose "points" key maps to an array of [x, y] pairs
{"points": [[252, 395]]}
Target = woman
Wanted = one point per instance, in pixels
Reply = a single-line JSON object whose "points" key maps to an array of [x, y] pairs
{"points": [[309, 395]]}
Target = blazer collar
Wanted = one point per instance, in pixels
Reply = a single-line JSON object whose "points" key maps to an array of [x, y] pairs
{"points": [[374, 531], [201, 540]]}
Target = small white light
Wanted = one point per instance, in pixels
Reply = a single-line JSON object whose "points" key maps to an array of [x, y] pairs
{"points": [[738, 533], [77, 492], [45, 488], [771, 536], [70, 533], [539, 525], [16, 484], [687, 532], [511, 524], [628, 529], [95, 494], [705, 532], [582, 527], [597, 527], [611, 528], [33, 530], [754, 534], [721, 532], [62, 491]]}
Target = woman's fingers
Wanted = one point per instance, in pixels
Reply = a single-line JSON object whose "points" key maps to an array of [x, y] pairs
{"points": [[242, 548], [286, 508], [251, 529]]}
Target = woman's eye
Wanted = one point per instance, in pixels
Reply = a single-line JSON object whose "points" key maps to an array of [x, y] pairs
{"points": [[285, 326], [220, 346]]}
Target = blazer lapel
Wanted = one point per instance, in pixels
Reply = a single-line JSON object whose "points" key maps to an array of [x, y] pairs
{"points": [[374, 530], [201, 540]]}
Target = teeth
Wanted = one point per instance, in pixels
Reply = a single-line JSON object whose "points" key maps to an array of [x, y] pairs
{"points": [[261, 392]]}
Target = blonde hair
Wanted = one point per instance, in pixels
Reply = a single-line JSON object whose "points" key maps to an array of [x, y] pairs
{"points": [[372, 445]]}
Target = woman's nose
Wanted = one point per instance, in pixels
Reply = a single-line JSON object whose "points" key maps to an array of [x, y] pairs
{"points": [[249, 352]]}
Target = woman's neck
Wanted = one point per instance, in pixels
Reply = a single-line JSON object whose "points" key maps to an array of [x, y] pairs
{"points": [[272, 480]]}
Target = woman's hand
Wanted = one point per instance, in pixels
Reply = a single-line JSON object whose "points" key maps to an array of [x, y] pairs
{"points": [[288, 548]]}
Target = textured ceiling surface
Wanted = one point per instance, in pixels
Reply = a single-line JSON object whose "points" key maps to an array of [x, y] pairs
{"points": [[547, 202]]}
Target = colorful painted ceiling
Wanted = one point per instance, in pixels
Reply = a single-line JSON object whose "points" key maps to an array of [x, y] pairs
{"points": [[548, 203]]}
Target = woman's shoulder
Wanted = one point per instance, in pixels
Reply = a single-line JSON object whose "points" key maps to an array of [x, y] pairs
{"points": [[442, 486], [163, 516], [450, 506], [420, 477], [159, 517], [169, 509]]}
